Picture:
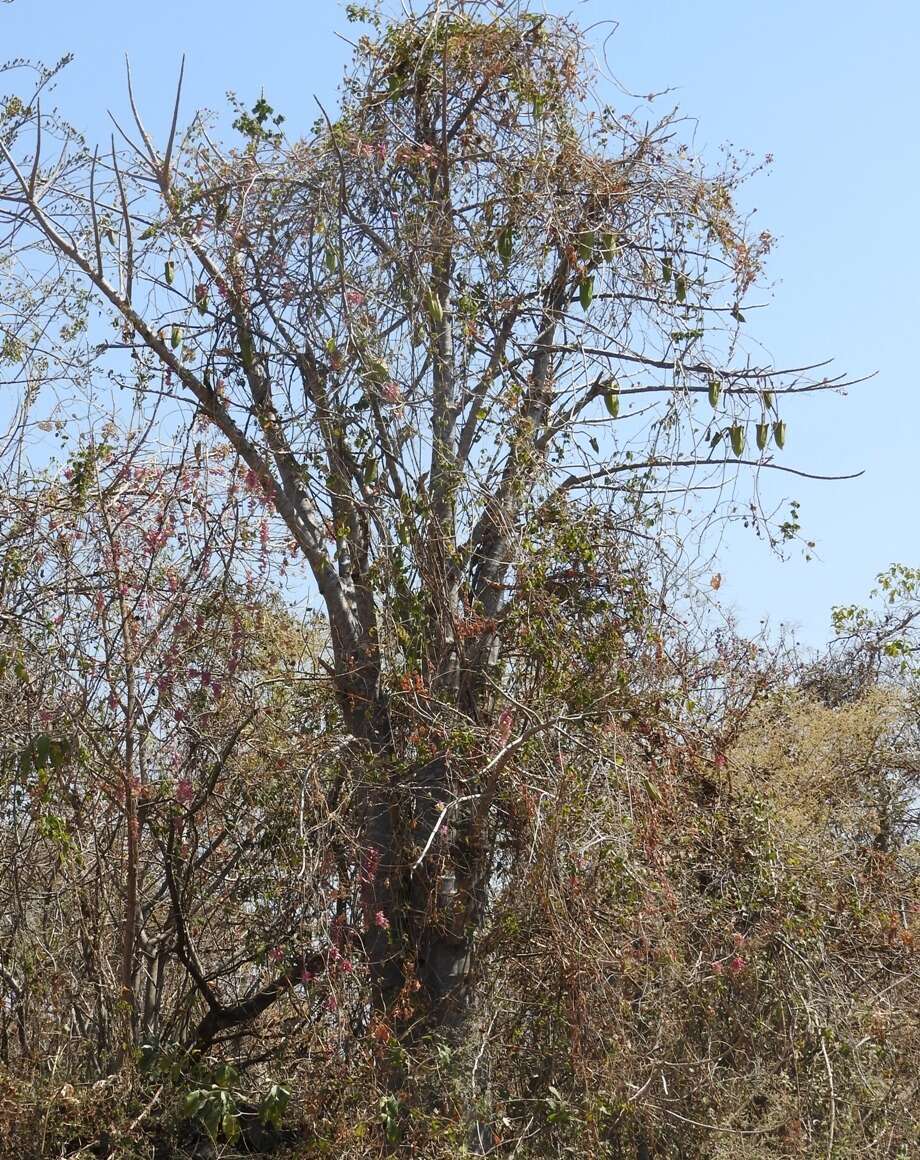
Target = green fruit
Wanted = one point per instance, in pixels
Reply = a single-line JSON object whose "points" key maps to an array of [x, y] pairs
{"points": [[331, 259], [680, 288], [370, 469], [608, 249], [505, 244], [584, 245], [763, 434], [666, 269], [715, 389], [434, 307], [779, 434], [175, 337], [170, 273], [768, 400], [586, 292], [736, 435], [612, 403]]}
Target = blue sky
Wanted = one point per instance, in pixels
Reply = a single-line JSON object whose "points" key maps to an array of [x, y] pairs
{"points": [[827, 87]]}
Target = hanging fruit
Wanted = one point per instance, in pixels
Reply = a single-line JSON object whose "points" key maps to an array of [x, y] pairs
{"points": [[779, 434], [715, 389], [505, 244], [584, 245], [736, 435], [608, 249], [763, 434], [434, 307]]}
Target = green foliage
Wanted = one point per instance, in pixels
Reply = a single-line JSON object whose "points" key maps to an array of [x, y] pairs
{"points": [[261, 124]]}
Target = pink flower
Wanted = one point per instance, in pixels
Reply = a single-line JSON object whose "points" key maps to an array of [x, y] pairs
{"points": [[736, 965], [717, 968], [276, 954], [381, 920], [390, 393], [184, 791], [307, 977], [354, 298]]}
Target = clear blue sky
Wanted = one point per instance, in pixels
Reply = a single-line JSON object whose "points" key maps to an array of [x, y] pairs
{"points": [[829, 88]]}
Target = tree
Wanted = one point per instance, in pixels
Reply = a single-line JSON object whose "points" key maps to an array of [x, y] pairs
{"points": [[464, 340]]}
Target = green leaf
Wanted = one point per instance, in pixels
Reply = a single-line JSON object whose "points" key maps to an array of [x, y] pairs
{"points": [[653, 792], [586, 292], [194, 1101], [41, 750], [230, 1125]]}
